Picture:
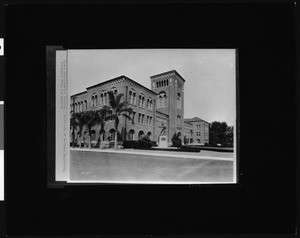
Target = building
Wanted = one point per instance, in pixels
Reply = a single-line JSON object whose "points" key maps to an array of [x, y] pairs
{"points": [[188, 133], [200, 130], [155, 108]]}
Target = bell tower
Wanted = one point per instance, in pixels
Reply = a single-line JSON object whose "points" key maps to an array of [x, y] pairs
{"points": [[169, 87]]}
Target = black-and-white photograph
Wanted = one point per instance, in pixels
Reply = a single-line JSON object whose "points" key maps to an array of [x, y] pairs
{"points": [[146, 116]]}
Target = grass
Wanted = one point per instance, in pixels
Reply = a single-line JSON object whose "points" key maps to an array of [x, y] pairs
{"points": [[112, 167]]}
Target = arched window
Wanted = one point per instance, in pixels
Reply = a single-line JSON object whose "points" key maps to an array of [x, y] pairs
{"points": [[149, 135], [114, 90], [85, 105], [112, 134], [167, 82], [141, 134], [162, 99], [81, 106], [131, 135], [149, 104], [142, 100], [178, 120], [94, 100], [156, 84], [103, 98], [132, 96], [179, 101]]}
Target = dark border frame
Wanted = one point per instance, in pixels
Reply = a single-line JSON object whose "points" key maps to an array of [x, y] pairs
{"points": [[297, 131]]}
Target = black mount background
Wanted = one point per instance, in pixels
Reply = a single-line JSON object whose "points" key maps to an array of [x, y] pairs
{"points": [[265, 199]]}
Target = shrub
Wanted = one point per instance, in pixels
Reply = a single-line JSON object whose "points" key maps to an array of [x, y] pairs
{"points": [[130, 144], [189, 149], [153, 143], [176, 139], [144, 144]]}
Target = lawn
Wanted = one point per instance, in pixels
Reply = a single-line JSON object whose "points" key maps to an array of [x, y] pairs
{"points": [[118, 167]]}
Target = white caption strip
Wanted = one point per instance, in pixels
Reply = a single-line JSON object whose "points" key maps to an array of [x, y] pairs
{"points": [[2, 168], [1, 46]]}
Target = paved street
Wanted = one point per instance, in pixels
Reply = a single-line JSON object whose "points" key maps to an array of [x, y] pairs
{"points": [[138, 166]]}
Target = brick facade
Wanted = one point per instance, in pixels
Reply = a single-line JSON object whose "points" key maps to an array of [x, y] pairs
{"points": [[162, 104], [200, 130]]}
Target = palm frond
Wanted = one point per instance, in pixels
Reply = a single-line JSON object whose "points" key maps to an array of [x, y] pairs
{"points": [[111, 99], [126, 109], [128, 117], [118, 98], [90, 118], [121, 105]]}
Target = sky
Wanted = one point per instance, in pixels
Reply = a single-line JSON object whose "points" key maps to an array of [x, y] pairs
{"points": [[210, 75]]}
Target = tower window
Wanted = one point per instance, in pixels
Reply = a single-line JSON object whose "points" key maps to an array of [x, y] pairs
{"points": [[162, 100], [178, 119], [179, 101]]}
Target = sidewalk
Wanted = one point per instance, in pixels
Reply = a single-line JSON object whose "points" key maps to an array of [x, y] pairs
{"points": [[210, 155]]}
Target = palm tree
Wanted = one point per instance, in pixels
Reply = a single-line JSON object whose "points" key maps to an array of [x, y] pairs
{"points": [[77, 121], [118, 108], [74, 124], [101, 117], [90, 118]]}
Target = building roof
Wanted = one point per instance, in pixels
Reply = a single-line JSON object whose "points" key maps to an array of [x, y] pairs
{"points": [[77, 94], [168, 72], [194, 119], [120, 77], [186, 122]]}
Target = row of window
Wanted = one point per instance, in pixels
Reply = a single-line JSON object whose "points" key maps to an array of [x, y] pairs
{"points": [[161, 101], [162, 83], [79, 106], [103, 98], [198, 133], [142, 101], [141, 119]]}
